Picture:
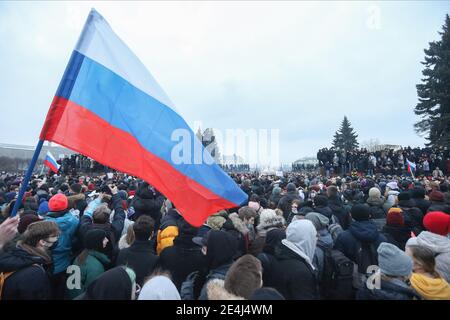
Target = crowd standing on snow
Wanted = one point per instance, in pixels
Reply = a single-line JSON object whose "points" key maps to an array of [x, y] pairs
{"points": [[300, 236]]}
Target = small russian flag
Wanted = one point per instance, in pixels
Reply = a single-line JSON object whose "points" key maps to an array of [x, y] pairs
{"points": [[50, 162], [411, 166]]}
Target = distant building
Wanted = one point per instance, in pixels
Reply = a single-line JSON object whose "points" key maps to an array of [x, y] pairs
{"points": [[15, 157]]}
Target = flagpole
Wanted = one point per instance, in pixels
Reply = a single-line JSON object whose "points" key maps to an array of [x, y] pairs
{"points": [[26, 180]]}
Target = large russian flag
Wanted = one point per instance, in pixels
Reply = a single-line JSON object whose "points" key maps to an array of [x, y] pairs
{"points": [[110, 108]]}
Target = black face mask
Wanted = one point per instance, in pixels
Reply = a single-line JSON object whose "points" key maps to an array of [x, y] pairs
{"points": [[53, 246]]}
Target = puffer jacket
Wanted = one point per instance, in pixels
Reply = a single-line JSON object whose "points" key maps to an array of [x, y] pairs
{"points": [[168, 230], [440, 246]]}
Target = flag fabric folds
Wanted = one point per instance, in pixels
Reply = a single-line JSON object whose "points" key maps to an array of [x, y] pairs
{"points": [[50, 162], [411, 166], [110, 108]]}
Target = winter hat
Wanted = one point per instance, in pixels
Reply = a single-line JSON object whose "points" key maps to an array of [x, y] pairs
{"points": [[291, 187], [25, 221], [266, 294], [374, 193], [404, 196], [269, 219], [319, 220], [159, 288], [437, 222], [360, 212], [215, 222], [276, 191], [393, 261], [58, 202], [395, 217], [392, 185], [254, 205], [93, 239], [436, 196]]}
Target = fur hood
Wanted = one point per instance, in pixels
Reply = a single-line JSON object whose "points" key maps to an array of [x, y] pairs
{"points": [[238, 224], [272, 222], [216, 291]]}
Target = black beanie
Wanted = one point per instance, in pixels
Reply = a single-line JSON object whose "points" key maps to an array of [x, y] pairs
{"points": [[360, 212], [404, 196], [93, 239]]}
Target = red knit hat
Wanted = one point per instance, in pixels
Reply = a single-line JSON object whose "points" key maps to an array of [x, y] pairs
{"points": [[395, 217], [437, 222], [58, 202]]}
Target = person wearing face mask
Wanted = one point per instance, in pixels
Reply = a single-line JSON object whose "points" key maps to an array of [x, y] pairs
{"points": [[25, 268], [61, 254], [92, 261]]}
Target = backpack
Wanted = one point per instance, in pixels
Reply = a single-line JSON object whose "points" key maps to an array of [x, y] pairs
{"points": [[367, 256], [337, 275], [335, 228], [187, 287], [6, 275]]}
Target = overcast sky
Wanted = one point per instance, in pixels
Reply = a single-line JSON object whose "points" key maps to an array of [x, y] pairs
{"points": [[294, 66]]}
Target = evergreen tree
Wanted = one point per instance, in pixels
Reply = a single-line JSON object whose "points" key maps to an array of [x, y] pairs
{"points": [[345, 137], [434, 91]]}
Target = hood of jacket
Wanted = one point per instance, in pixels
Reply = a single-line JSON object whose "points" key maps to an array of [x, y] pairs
{"points": [[301, 238], [375, 202], [221, 249], [394, 290], [326, 211], [407, 203], [216, 291], [429, 288], [435, 242], [16, 259], [365, 231], [238, 223]]}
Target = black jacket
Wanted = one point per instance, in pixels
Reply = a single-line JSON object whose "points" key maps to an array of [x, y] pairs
{"points": [[30, 280], [349, 242], [439, 206], [413, 216], [397, 235], [392, 290], [182, 258], [340, 212], [422, 204], [293, 277], [140, 257]]}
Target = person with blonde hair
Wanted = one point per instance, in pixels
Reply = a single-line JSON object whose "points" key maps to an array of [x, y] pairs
{"points": [[425, 279]]}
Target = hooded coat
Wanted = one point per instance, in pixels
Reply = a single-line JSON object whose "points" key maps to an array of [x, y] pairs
{"points": [[114, 284], [294, 274], [30, 280], [221, 249], [159, 288], [440, 246], [182, 258]]}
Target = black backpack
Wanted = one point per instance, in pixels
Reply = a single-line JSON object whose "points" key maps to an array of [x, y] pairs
{"points": [[367, 256], [337, 275]]}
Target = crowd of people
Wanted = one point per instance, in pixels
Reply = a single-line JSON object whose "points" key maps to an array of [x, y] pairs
{"points": [[300, 236], [428, 161]]}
